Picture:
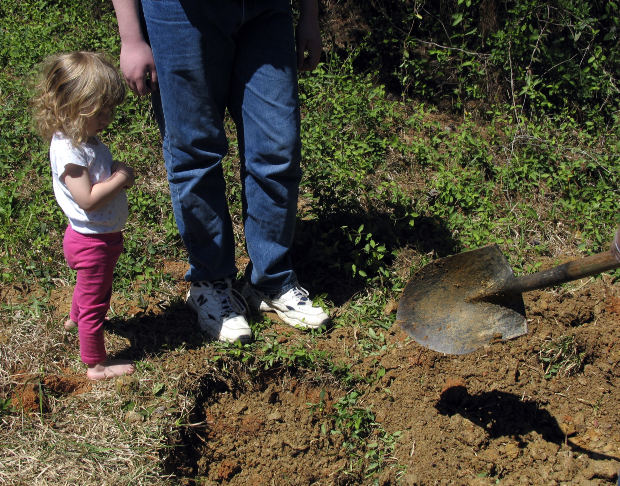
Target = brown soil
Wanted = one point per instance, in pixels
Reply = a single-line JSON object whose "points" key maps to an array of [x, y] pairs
{"points": [[474, 419], [31, 393]]}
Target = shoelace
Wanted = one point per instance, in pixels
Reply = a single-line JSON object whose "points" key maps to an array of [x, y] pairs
{"points": [[232, 301], [301, 294]]}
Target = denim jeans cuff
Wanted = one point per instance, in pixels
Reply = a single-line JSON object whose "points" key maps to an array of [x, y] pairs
{"points": [[274, 294]]}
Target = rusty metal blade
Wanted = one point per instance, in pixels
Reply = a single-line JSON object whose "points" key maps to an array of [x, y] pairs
{"points": [[438, 307]]}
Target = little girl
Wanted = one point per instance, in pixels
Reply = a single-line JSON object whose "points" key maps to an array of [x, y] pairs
{"points": [[77, 94]]}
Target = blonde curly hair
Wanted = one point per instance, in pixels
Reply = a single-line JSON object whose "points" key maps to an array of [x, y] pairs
{"points": [[72, 88]]}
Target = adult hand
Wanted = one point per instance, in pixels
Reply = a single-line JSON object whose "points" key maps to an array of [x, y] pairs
{"points": [[138, 67], [308, 42]]}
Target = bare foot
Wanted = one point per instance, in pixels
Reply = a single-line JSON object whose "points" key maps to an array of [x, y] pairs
{"points": [[70, 324], [110, 369]]}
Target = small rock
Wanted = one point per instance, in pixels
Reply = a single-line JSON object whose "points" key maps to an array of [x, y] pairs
{"points": [[390, 307], [275, 416], [432, 194], [239, 408], [511, 450], [567, 426], [227, 469], [158, 412], [607, 470], [472, 436], [133, 417]]}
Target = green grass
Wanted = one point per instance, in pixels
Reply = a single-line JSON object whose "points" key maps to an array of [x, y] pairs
{"points": [[388, 185]]}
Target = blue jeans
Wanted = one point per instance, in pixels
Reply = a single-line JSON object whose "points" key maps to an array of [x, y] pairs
{"points": [[213, 55]]}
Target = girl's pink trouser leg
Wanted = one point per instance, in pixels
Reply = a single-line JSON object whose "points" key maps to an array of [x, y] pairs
{"points": [[94, 257]]}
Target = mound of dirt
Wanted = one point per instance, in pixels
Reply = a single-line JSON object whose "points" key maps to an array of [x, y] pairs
{"points": [[498, 414]]}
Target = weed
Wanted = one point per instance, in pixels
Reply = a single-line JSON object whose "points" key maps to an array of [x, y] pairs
{"points": [[379, 453], [359, 429], [369, 255], [6, 406], [353, 422], [562, 357]]}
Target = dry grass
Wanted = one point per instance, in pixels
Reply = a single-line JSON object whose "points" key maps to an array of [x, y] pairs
{"points": [[56, 427], [80, 442]]}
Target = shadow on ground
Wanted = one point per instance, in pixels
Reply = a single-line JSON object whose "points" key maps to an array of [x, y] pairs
{"points": [[158, 332], [505, 414], [325, 250]]}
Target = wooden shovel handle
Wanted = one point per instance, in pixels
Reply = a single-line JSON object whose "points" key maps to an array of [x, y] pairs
{"points": [[574, 270]]}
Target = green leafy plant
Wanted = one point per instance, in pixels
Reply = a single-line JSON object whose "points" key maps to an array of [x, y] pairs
{"points": [[368, 255], [537, 57], [6, 406], [353, 422]]}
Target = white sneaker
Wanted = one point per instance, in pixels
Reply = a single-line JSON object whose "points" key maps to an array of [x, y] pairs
{"points": [[220, 310], [294, 307]]}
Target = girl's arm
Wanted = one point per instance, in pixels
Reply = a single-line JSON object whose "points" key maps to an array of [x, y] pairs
{"points": [[129, 172], [89, 196]]}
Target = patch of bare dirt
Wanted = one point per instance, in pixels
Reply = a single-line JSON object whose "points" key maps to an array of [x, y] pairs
{"points": [[31, 394], [268, 435], [474, 419], [493, 415]]}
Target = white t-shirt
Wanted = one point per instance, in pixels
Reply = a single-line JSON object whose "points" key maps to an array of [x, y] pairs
{"points": [[98, 159]]}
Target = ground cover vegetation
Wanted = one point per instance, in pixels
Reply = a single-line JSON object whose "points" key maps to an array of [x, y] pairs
{"points": [[429, 128]]}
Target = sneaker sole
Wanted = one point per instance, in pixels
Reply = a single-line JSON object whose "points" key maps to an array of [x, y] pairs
{"points": [[264, 307]]}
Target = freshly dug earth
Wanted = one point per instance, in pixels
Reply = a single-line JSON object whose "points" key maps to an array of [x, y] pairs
{"points": [[474, 419], [502, 413]]}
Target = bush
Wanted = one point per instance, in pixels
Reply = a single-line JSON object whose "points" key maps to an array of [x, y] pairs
{"points": [[557, 56]]}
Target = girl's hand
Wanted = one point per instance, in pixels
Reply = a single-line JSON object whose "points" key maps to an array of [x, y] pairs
{"points": [[119, 169], [92, 197]]}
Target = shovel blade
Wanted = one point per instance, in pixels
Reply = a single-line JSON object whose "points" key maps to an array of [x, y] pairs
{"points": [[440, 311]]}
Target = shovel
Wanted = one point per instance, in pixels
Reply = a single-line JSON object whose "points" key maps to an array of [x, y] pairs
{"points": [[460, 303]]}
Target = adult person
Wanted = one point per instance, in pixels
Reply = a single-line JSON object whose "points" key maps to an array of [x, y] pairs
{"points": [[198, 58]]}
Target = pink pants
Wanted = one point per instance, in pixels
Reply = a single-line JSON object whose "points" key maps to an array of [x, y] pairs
{"points": [[94, 257]]}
